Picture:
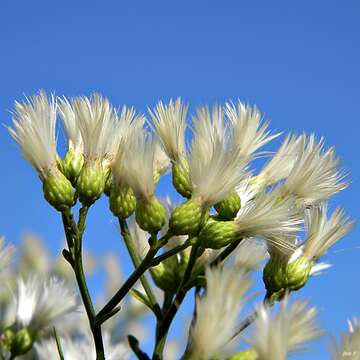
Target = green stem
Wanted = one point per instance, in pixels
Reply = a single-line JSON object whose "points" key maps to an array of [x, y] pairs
{"points": [[158, 259], [163, 325], [74, 233], [130, 244], [225, 253]]}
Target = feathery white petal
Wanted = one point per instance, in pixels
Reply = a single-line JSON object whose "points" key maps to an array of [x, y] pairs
{"points": [[33, 129], [218, 311]]}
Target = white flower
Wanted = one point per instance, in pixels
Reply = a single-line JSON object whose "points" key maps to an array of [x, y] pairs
{"points": [[270, 217], [161, 160], [349, 347], [139, 165], [81, 348], [315, 176], [281, 164], [71, 125], [250, 254], [96, 121], [34, 124], [216, 165], [249, 133], [218, 311], [276, 336], [169, 122], [323, 232], [6, 254], [42, 303], [140, 238]]}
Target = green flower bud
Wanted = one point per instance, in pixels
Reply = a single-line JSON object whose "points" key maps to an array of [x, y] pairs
{"points": [[274, 275], [90, 183], [108, 183], [165, 278], [7, 338], [217, 234], [58, 191], [181, 178], [297, 273], [244, 355], [150, 215], [229, 207], [21, 343], [71, 165], [186, 218], [122, 202]]}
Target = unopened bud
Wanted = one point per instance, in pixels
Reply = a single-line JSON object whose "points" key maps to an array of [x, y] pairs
{"points": [[297, 273], [71, 165], [21, 343], [90, 183], [58, 191], [122, 202], [229, 207], [274, 275], [217, 234], [181, 178], [165, 278], [108, 183], [150, 215], [186, 218]]}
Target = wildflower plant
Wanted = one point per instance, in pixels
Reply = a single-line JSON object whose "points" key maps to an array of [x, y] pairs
{"points": [[229, 223]]}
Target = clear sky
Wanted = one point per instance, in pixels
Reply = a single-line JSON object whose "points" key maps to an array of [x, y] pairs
{"points": [[299, 61]]}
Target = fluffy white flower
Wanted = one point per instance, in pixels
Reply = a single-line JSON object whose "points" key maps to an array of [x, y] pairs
{"points": [[96, 120], [269, 216], [139, 165], [280, 165], [6, 254], [161, 160], [349, 347], [69, 120], [315, 176], [216, 165], [249, 133], [276, 336], [81, 348], [169, 122], [34, 124], [218, 311], [323, 232], [43, 303]]}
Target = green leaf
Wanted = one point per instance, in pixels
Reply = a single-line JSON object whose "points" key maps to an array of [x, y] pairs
{"points": [[138, 295]]}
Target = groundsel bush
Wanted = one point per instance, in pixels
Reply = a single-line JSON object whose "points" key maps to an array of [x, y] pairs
{"points": [[230, 223]]}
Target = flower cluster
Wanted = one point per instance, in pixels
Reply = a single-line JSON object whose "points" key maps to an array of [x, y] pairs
{"points": [[278, 214]]}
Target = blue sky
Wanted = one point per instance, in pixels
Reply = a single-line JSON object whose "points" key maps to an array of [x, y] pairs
{"points": [[298, 61]]}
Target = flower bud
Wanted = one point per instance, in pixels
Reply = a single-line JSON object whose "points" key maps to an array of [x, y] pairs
{"points": [[108, 183], [181, 178], [71, 165], [229, 207], [217, 234], [122, 202], [274, 275], [58, 191], [150, 215], [91, 183], [297, 273], [186, 218], [249, 354], [166, 279], [21, 343]]}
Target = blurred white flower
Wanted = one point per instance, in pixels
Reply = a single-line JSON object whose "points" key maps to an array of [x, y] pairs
{"points": [[6, 254], [249, 133], [250, 254], [218, 311], [33, 129], [275, 336], [43, 303]]}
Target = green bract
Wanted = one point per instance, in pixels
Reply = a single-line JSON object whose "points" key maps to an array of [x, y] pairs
{"points": [[217, 234], [229, 207], [150, 215], [122, 202], [181, 178]]}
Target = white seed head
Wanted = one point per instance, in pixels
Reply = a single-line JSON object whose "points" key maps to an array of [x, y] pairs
{"points": [[216, 165], [249, 132], [282, 162], [270, 217], [33, 129], [71, 125], [169, 122], [276, 336], [96, 121], [323, 232], [218, 311], [315, 176], [43, 303]]}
